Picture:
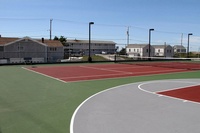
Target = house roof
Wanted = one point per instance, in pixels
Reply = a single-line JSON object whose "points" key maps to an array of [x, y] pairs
{"points": [[5, 40], [92, 41], [51, 43], [136, 45], [160, 46], [179, 46]]}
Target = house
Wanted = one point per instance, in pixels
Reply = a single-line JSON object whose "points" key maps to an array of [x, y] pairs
{"points": [[179, 49], [81, 47], [139, 50], [19, 50], [163, 50]]}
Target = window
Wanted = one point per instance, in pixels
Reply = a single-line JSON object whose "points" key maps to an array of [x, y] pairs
{"points": [[147, 50], [53, 49], [20, 48], [1, 48], [158, 50]]}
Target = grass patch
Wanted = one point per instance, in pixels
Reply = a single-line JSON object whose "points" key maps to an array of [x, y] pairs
{"points": [[94, 58]]}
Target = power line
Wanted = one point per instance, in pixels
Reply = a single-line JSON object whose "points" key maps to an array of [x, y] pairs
{"points": [[19, 19]]}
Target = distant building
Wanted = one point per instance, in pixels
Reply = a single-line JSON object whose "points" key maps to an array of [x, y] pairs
{"points": [[19, 50], [179, 49], [163, 50], [81, 47], [139, 50]]}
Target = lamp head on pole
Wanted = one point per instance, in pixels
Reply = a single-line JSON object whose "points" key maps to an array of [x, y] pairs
{"points": [[151, 29], [91, 23], [190, 34]]}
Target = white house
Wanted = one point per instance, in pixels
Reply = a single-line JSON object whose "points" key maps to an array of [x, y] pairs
{"points": [[179, 49], [81, 47], [139, 50], [163, 50]]}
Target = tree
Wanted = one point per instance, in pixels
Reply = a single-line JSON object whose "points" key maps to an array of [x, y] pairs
{"points": [[56, 38], [122, 51], [62, 39]]}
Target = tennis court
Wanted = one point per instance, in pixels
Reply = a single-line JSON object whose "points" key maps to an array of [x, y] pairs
{"points": [[102, 71], [43, 98]]}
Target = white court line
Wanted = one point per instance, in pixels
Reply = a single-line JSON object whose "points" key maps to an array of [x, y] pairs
{"points": [[178, 88], [122, 73], [106, 69], [76, 111], [95, 76], [61, 79], [158, 71], [139, 86], [160, 95], [133, 67], [44, 74]]}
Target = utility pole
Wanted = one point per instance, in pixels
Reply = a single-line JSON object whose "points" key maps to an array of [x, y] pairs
{"points": [[128, 36], [50, 28], [182, 39], [181, 44]]}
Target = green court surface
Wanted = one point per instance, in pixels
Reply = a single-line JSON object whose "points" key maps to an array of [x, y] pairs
{"points": [[33, 103]]}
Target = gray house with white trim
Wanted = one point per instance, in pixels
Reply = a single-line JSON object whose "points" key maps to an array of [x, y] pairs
{"points": [[18, 50]]}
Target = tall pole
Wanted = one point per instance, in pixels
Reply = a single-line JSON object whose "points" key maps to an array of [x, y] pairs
{"points": [[165, 49], [150, 42], [90, 58], [182, 39], [188, 44], [50, 28], [128, 36], [199, 53], [181, 44]]}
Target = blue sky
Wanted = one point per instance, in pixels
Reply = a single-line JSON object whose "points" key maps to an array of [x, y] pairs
{"points": [[169, 18]]}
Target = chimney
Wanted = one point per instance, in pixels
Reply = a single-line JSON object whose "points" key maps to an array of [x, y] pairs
{"points": [[42, 40]]}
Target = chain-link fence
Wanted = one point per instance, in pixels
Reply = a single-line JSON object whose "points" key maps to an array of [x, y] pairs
{"points": [[53, 57]]}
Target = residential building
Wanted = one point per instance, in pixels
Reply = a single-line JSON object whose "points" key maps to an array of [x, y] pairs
{"points": [[179, 49], [81, 47], [19, 50], [163, 50], [139, 50]]}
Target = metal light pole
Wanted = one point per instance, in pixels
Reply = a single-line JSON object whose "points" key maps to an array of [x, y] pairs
{"points": [[50, 28], [188, 44], [90, 58], [150, 42]]}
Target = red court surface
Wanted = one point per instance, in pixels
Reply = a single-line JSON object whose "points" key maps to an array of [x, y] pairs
{"points": [[188, 93], [99, 71]]}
